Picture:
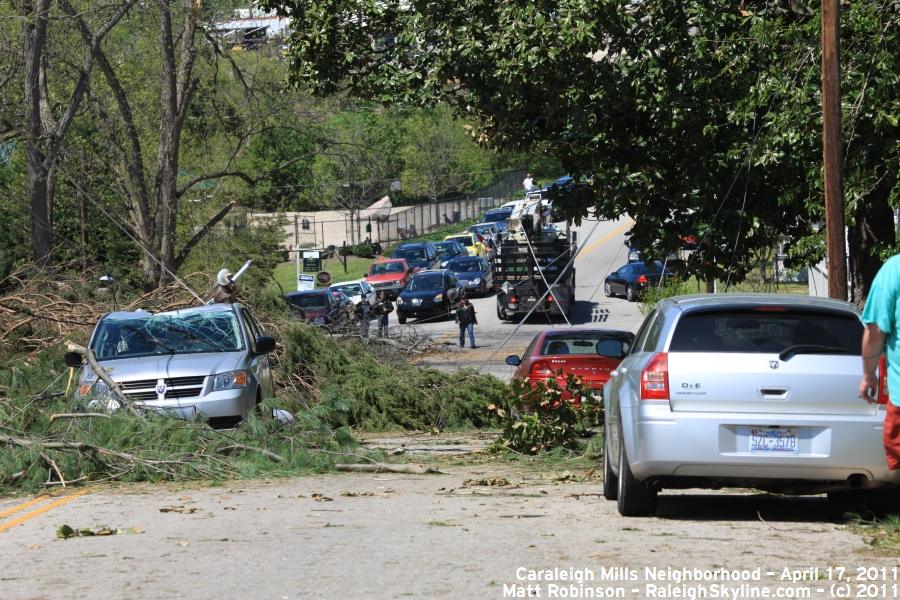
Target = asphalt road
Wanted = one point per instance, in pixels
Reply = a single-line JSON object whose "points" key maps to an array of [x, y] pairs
{"points": [[604, 251]]}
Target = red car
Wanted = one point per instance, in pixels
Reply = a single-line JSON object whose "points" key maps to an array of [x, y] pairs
{"points": [[389, 275], [588, 353]]}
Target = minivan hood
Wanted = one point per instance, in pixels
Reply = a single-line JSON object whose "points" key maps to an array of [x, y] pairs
{"points": [[172, 365]]}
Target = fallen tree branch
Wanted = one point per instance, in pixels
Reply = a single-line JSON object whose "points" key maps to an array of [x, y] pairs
{"points": [[102, 374], [59, 416], [388, 468], [267, 453]]}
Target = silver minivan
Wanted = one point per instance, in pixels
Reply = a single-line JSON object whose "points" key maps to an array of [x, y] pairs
{"points": [[210, 361], [742, 390]]}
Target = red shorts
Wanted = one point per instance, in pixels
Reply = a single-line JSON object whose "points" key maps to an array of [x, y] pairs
{"points": [[892, 436]]}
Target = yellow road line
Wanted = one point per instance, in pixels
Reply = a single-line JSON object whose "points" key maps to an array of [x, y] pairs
{"points": [[23, 506], [39, 511], [597, 243]]}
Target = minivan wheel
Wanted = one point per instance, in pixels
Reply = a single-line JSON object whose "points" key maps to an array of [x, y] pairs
{"points": [[629, 294], [610, 481], [635, 498]]}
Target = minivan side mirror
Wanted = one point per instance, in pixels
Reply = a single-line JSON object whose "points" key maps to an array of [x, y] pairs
{"points": [[513, 360], [265, 344], [73, 359]]}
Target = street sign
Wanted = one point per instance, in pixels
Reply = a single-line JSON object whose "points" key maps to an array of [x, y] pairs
{"points": [[311, 261], [306, 282]]}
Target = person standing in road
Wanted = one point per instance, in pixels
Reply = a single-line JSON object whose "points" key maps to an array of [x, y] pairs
{"points": [[363, 311], [880, 317], [528, 183], [465, 318], [384, 308]]}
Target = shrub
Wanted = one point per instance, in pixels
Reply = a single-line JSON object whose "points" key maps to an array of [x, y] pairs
{"points": [[542, 416], [372, 391]]}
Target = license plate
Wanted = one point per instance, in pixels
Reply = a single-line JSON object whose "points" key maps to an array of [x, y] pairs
{"points": [[769, 440], [531, 298], [416, 301]]}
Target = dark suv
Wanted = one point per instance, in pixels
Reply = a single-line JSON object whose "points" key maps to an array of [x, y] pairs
{"points": [[428, 294], [420, 255]]}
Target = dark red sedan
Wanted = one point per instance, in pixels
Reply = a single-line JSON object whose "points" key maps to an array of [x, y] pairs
{"points": [[588, 353]]}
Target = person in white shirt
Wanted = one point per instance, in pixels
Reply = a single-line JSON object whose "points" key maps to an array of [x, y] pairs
{"points": [[528, 183]]}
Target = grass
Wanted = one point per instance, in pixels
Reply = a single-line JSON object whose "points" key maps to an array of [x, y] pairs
{"points": [[883, 535], [286, 273]]}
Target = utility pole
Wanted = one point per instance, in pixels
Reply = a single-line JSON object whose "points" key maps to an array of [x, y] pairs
{"points": [[831, 149]]}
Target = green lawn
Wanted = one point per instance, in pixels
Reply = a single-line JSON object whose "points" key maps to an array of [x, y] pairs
{"points": [[286, 273]]}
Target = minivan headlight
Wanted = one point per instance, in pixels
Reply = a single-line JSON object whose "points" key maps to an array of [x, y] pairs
{"points": [[231, 380], [438, 298]]}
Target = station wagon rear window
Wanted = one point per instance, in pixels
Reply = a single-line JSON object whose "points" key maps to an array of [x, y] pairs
{"points": [[767, 330]]}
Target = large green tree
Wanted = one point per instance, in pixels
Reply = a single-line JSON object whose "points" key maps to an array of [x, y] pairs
{"points": [[696, 118]]}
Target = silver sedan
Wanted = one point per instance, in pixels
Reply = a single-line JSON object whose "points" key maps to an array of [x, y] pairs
{"points": [[754, 390]]}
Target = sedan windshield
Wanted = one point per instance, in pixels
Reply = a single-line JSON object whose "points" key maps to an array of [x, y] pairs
{"points": [[422, 284], [167, 334], [465, 266]]}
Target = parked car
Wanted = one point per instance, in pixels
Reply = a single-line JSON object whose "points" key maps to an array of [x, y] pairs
{"points": [[484, 229], [448, 250], [428, 294], [589, 353], [499, 217], [420, 255], [632, 279], [742, 390], [473, 274], [321, 307], [355, 290], [210, 361], [389, 275], [473, 246]]}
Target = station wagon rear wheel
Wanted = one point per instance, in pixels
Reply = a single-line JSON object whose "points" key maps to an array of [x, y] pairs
{"points": [[607, 290], [635, 498]]}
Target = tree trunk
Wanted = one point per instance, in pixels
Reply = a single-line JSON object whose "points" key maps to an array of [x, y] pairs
{"points": [[35, 34], [872, 225]]}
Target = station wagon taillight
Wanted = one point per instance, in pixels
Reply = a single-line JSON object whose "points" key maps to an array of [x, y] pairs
{"points": [[642, 279], [540, 369], [655, 378], [882, 397]]}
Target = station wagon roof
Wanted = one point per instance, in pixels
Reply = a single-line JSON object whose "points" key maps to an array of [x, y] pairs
{"points": [[696, 301]]}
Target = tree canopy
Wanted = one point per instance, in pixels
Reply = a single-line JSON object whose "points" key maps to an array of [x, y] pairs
{"points": [[696, 118]]}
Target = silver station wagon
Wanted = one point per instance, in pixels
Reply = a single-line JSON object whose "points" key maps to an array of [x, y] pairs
{"points": [[751, 390], [210, 361]]}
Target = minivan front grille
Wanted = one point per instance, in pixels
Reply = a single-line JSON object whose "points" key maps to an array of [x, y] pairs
{"points": [[144, 390]]}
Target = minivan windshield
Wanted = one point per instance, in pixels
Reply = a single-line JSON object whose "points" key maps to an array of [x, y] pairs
{"points": [[151, 335]]}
